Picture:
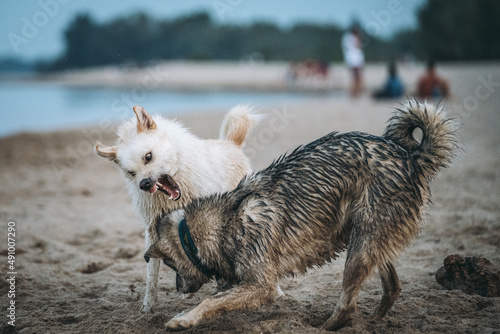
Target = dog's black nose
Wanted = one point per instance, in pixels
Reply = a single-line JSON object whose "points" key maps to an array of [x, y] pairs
{"points": [[146, 184]]}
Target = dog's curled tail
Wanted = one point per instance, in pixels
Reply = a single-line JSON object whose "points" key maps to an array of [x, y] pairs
{"points": [[439, 145], [238, 123]]}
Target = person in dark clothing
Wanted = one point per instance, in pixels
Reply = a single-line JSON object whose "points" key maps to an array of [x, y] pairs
{"points": [[393, 87]]}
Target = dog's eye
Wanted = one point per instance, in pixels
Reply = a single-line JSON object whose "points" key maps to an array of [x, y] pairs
{"points": [[132, 174], [148, 157]]}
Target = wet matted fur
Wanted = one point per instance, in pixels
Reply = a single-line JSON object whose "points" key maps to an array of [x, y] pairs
{"points": [[166, 167], [357, 192]]}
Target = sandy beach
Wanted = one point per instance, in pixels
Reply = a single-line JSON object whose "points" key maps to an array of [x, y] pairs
{"points": [[248, 76], [79, 244]]}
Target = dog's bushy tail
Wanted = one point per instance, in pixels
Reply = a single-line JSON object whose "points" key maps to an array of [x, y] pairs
{"points": [[439, 144], [238, 123]]}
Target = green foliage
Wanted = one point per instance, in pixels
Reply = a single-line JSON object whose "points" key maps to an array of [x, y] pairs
{"points": [[139, 39], [448, 30], [460, 30], [14, 65]]}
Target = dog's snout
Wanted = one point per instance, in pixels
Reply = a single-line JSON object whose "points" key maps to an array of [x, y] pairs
{"points": [[146, 184]]}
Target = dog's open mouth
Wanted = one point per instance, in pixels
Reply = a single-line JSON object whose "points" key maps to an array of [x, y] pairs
{"points": [[167, 185]]}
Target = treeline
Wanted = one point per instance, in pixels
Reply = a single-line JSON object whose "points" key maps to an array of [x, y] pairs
{"points": [[459, 30], [139, 39], [447, 30]]}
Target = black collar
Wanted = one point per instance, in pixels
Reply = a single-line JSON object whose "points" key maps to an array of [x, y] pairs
{"points": [[191, 250]]}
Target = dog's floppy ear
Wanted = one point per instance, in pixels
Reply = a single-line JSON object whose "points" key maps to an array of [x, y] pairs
{"points": [[144, 120], [152, 252], [107, 152]]}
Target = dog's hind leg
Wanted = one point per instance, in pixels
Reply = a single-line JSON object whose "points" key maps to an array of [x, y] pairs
{"points": [[358, 267], [391, 287], [238, 298], [153, 270]]}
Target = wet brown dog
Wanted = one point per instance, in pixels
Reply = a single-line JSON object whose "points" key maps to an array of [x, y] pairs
{"points": [[356, 192]]}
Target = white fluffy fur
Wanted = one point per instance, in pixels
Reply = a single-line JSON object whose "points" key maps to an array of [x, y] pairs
{"points": [[199, 167]]}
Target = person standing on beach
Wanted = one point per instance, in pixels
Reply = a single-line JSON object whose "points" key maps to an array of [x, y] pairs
{"points": [[354, 58]]}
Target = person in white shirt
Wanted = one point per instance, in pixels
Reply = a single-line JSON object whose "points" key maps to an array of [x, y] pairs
{"points": [[354, 58]]}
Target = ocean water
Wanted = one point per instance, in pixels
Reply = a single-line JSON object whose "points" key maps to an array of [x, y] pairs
{"points": [[39, 107]]}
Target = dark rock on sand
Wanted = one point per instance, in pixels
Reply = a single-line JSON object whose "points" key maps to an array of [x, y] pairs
{"points": [[473, 275]]}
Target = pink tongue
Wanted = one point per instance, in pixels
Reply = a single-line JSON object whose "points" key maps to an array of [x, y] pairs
{"points": [[168, 185], [171, 192], [152, 190]]}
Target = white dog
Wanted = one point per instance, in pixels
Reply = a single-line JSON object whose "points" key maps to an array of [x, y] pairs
{"points": [[167, 167]]}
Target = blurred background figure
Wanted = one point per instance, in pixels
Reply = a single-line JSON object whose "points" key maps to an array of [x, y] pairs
{"points": [[393, 86], [354, 58], [308, 70], [430, 85]]}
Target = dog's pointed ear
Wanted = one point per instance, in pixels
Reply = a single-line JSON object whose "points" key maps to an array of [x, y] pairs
{"points": [[108, 152], [144, 120]]}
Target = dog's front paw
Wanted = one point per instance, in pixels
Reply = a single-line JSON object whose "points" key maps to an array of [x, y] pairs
{"points": [[178, 324], [335, 324], [146, 308], [148, 304]]}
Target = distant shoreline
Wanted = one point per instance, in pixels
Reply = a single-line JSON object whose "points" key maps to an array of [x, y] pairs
{"points": [[49, 98], [198, 76], [50, 105], [190, 76], [184, 76]]}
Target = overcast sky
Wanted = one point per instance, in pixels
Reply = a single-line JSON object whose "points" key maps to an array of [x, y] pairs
{"points": [[33, 29]]}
